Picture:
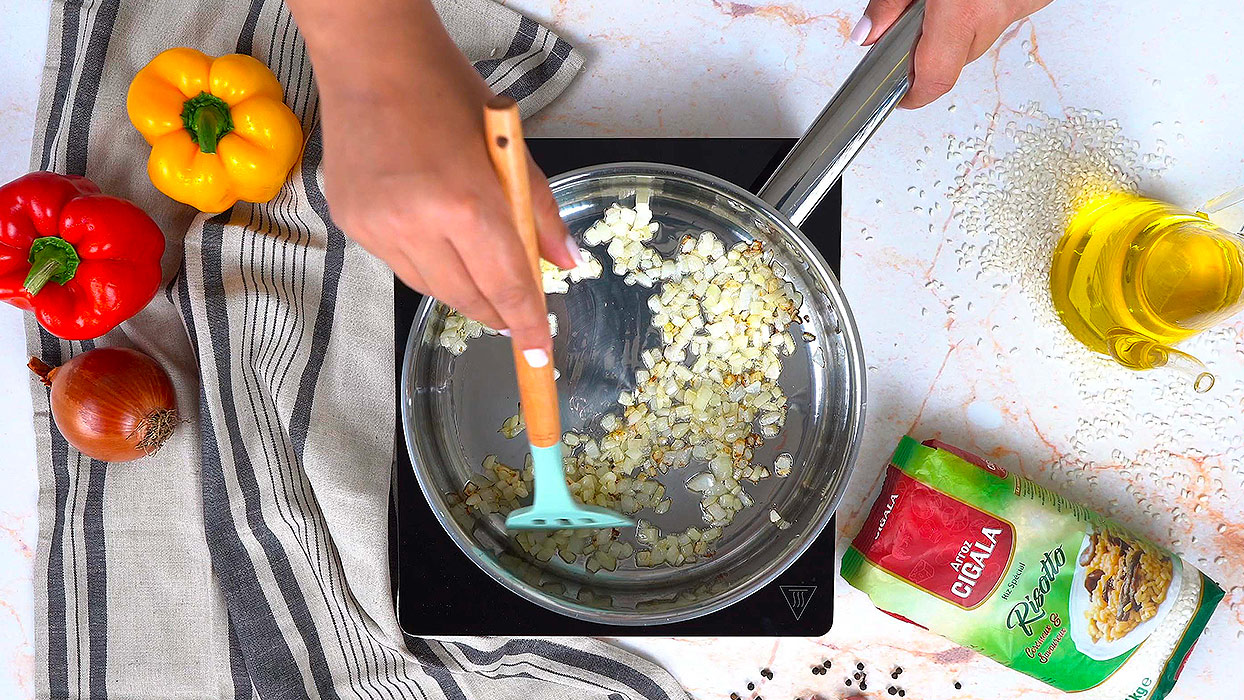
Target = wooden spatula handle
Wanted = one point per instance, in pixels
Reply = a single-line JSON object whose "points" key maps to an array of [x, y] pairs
{"points": [[536, 387]]}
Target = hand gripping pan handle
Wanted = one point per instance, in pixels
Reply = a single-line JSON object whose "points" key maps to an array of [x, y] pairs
{"points": [[867, 97]]}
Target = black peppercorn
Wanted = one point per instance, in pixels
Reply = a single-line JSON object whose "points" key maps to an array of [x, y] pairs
{"points": [[863, 685], [901, 692], [859, 667], [827, 663], [734, 696], [751, 686], [958, 685], [892, 690], [848, 681]]}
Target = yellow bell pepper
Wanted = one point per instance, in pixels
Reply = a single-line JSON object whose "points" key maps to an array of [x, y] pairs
{"points": [[218, 128]]}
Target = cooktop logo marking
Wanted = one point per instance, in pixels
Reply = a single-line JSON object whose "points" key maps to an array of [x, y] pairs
{"points": [[797, 598]]}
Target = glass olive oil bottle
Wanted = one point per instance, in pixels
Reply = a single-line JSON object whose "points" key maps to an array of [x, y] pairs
{"points": [[1132, 276]]}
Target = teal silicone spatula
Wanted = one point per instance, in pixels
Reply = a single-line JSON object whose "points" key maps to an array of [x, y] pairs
{"points": [[553, 507]]}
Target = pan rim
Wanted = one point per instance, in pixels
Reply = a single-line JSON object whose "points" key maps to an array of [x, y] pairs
{"points": [[854, 371]]}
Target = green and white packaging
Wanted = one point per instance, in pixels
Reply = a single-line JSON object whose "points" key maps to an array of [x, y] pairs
{"points": [[1000, 564]]}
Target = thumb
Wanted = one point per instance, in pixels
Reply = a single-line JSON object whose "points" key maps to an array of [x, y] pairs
{"points": [[878, 17]]}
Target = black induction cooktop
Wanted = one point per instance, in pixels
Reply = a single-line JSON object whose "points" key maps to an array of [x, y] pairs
{"points": [[439, 591]]}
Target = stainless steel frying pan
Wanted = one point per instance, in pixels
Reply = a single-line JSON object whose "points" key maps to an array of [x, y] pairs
{"points": [[452, 406]]}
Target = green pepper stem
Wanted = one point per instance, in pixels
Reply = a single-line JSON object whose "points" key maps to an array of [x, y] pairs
{"points": [[40, 275], [207, 119], [207, 126], [52, 259]]}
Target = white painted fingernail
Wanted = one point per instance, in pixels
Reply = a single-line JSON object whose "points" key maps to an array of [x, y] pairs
{"points": [[504, 331], [573, 246], [861, 31], [536, 357]]}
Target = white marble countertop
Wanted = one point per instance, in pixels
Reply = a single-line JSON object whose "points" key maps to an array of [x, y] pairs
{"points": [[1167, 71]]}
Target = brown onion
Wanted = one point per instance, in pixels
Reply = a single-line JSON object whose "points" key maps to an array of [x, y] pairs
{"points": [[113, 404]]}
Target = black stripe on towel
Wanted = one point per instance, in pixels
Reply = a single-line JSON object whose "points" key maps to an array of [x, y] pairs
{"points": [[92, 513], [246, 38], [435, 668], [523, 39], [96, 577], [57, 632], [58, 636], [237, 666], [533, 79], [93, 534], [270, 660], [243, 689], [78, 654], [334, 259], [593, 663], [187, 313], [536, 54], [96, 565], [88, 87], [547, 675], [70, 15]]}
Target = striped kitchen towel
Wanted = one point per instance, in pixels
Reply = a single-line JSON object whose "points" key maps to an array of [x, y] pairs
{"points": [[249, 557]]}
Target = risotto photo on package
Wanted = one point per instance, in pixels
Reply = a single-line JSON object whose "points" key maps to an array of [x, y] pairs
{"points": [[998, 563]]}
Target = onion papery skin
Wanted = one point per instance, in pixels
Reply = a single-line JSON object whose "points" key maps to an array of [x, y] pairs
{"points": [[112, 404]]}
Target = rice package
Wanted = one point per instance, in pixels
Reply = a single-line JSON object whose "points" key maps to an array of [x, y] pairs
{"points": [[997, 563]]}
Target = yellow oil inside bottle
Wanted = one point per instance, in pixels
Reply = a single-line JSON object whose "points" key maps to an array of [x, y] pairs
{"points": [[1132, 274]]}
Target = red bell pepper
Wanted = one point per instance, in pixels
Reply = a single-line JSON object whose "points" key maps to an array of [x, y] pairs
{"points": [[82, 261]]}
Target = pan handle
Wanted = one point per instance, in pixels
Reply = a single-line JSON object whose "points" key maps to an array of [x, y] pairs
{"points": [[867, 97]]}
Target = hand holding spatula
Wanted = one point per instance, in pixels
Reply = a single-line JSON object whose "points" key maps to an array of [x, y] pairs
{"points": [[553, 508]]}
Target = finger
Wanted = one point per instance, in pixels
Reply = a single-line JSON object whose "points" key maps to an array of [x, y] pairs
{"points": [[981, 44], [878, 17], [406, 271], [498, 264], [450, 281], [941, 53], [556, 244]]}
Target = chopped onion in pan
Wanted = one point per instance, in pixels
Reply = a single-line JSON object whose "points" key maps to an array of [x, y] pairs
{"points": [[708, 394], [458, 329]]}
